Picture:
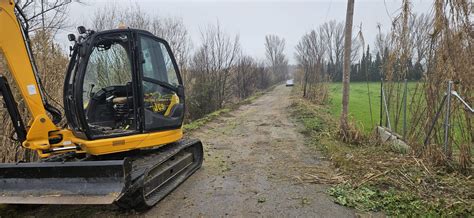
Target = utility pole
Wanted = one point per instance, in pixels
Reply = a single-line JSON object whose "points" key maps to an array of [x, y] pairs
{"points": [[344, 123], [42, 13]]}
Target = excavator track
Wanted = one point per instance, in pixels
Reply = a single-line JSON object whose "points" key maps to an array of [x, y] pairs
{"points": [[132, 180], [156, 174]]}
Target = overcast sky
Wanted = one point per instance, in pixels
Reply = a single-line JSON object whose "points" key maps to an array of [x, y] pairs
{"points": [[252, 20]]}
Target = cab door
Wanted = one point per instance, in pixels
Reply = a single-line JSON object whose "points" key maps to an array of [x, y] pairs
{"points": [[162, 92]]}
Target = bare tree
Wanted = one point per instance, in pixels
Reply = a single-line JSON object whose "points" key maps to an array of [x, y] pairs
{"points": [[173, 30], [249, 76], [304, 61], [310, 53], [211, 68], [421, 29], [344, 122], [275, 47], [114, 16], [332, 33], [245, 78], [45, 14], [264, 79], [382, 42]]}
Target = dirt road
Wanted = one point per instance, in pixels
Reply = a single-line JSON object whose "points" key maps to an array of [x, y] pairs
{"points": [[253, 159]]}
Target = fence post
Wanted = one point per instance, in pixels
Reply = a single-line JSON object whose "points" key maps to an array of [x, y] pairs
{"points": [[381, 101], [386, 110], [446, 120], [438, 112], [405, 94]]}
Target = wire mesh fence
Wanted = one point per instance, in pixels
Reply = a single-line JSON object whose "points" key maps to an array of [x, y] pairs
{"points": [[439, 128]]}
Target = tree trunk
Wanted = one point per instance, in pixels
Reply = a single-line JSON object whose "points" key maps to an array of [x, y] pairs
{"points": [[305, 81], [344, 124]]}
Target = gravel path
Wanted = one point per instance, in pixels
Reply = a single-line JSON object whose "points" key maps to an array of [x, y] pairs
{"points": [[253, 157]]}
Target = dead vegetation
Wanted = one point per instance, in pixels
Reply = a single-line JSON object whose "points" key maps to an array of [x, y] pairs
{"points": [[371, 177], [440, 43], [319, 175], [51, 63], [44, 20]]}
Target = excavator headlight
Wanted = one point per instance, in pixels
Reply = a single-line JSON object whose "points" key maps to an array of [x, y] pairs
{"points": [[81, 29], [71, 37]]}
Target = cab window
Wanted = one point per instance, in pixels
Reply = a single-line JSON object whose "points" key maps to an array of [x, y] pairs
{"points": [[107, 95], [160, 82]]}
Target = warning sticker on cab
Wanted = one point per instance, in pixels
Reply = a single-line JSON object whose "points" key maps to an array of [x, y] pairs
{"points": [[31, 89]]}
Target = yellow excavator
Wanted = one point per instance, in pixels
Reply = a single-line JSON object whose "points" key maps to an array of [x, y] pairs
{"points": [[124, 104]]}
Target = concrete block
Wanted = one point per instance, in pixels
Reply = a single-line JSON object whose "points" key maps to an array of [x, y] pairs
{"points": [[394, 140]]}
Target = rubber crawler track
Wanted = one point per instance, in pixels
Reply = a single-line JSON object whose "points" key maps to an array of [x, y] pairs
{"points": [[144, 166]]}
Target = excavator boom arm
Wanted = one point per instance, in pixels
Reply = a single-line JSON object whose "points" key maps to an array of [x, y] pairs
{"points": [[13, 46], [15, 49]]}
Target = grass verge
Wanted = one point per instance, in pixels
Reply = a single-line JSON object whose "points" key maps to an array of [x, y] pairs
{"points": [[377, 179], [202, 121]]}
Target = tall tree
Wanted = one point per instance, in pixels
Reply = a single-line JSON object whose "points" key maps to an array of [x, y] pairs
{"points": [[344, 123], [309, 54], [332, 33], [275, 47], [212, 65]]}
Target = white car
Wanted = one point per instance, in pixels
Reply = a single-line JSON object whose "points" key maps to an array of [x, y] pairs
{"points": [[289, 82]]}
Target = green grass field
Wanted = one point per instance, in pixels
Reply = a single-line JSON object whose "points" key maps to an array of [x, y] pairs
{"points": [[359, 107], [366, 120], [364, 114]]}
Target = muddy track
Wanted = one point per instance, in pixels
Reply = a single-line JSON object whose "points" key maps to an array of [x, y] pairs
{"points": [[253, 159]]}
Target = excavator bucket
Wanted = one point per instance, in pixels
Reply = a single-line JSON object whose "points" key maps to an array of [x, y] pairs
{"points": [[82, 182]]}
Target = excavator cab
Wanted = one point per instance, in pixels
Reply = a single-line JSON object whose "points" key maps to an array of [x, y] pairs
{"points": [[125, 81]]}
